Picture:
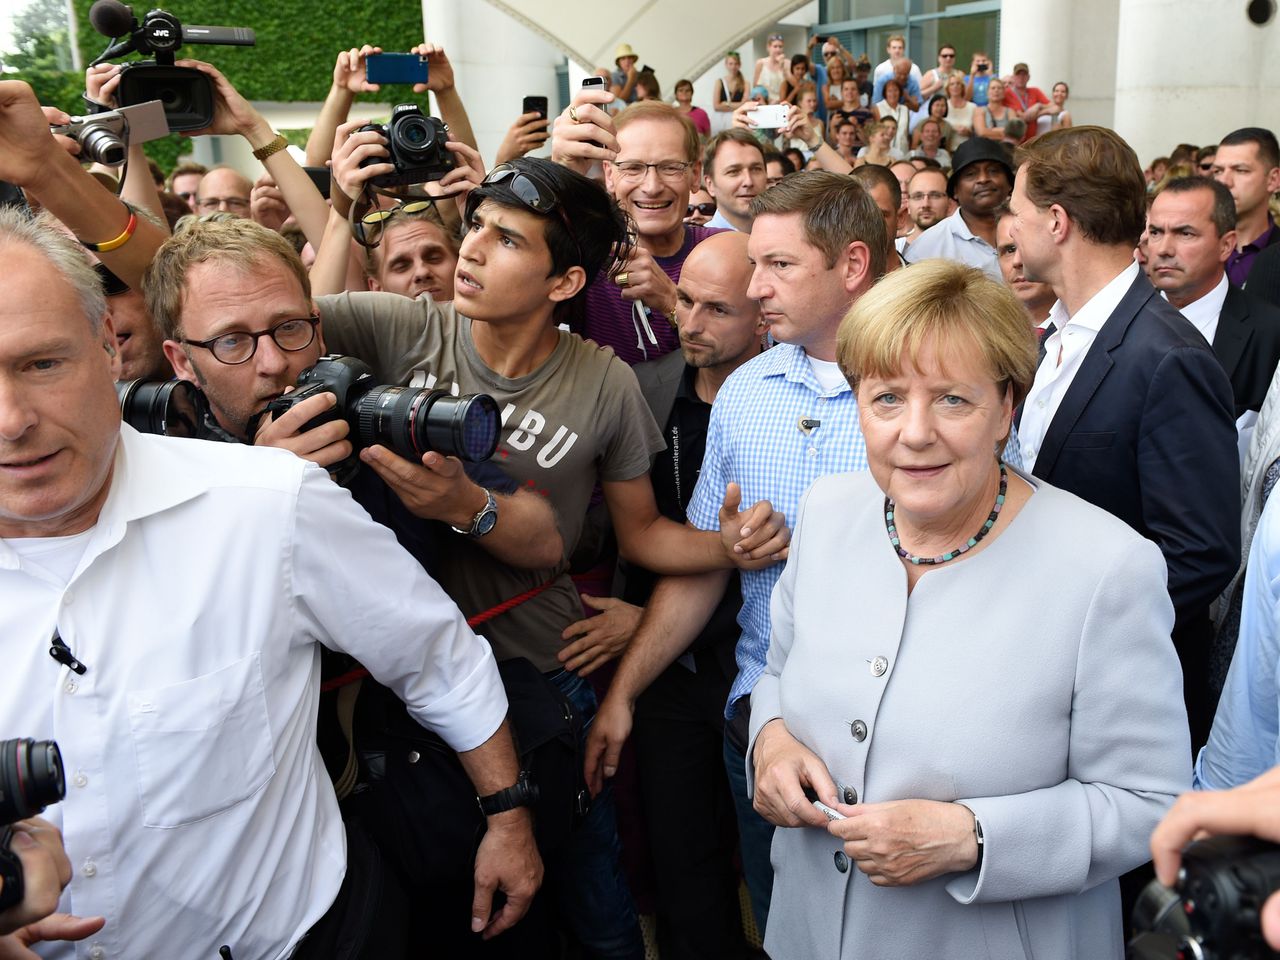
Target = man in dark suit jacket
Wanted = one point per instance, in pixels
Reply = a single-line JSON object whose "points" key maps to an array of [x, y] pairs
{"points": [[1191, 231], [1130, 409]]}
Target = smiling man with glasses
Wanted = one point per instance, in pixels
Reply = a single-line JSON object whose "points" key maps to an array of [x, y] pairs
{"points": [[655, 166], [223, 190]]}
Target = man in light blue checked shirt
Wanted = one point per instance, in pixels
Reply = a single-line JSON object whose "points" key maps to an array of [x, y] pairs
{"points": [[779, 422]]}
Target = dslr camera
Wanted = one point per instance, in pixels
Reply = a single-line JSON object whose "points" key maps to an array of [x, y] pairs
{"points": [[185, 92], [416, 144], [31, 778], [105, 137], [409, 420], [1213, 912]]}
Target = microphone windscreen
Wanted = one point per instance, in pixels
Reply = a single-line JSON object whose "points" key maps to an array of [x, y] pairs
{"points": [[111, 18]]}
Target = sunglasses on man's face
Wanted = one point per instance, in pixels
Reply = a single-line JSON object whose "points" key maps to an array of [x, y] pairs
{"points": [[705, 209]]}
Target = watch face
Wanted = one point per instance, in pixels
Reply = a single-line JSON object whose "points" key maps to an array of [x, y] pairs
{"points": [[486, 522]]}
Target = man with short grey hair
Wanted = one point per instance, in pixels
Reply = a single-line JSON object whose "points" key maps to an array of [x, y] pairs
{"points": [[199, 812]]}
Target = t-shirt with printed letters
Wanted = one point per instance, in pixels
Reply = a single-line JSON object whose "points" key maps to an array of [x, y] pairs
{"points": [[578, 418]]}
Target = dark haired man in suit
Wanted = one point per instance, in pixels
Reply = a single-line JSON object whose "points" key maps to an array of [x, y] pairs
{"points": [[1130, 409], [1191, 230]]}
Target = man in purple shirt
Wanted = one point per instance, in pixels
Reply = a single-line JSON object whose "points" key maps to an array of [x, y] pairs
{"points": [[651, 162], [1248, 164]]}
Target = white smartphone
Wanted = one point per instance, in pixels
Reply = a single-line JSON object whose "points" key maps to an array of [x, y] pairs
{"points": [[770, 117], [828, 812]]}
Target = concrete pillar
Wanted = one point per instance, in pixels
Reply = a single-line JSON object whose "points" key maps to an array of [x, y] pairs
{"points": [[497, 62], [1192, 71], [1071, 40]]}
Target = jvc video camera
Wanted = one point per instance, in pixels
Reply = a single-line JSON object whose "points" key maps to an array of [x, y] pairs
{"points": [[416, 144], [1213, 912], [105, 137], [409, 420], [187, 94], [31, 778]]}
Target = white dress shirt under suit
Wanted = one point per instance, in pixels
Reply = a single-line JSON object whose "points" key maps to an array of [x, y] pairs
{"points": [[198, 811], [1064, 351]]}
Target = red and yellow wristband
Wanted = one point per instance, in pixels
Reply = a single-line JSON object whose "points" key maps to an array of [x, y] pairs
{"points": [[108, 245]]}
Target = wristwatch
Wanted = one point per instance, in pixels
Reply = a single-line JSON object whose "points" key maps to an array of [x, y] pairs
{"points": [[485, 520], [523, 794]]}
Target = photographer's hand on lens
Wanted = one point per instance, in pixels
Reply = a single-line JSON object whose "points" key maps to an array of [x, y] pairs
{"points": [[784, 768], [595, 641], [529, 132], [609, 731], [1252, 809], [575, 143], [45, 871], [905, 842], [324, 445], [349, 149], [754, 538], [349, 70], [232, 113], [436, 489], [466, 175]]}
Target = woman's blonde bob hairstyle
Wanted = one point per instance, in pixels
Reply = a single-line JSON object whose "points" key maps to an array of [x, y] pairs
{"points": [[954, 308]]}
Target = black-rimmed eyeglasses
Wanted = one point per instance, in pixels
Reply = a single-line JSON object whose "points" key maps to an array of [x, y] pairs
{"points": [[240, 346]]}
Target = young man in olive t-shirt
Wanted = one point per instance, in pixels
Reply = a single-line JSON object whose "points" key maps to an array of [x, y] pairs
{"points": [[573, 415]]}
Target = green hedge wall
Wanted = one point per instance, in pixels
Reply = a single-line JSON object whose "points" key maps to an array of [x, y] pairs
{"points": [[297, 41], [293, 58]]}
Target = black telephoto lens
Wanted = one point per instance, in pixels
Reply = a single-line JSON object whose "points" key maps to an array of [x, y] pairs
{"points": [[170, 408], [412, 421], [465, 426], [31, 778]]}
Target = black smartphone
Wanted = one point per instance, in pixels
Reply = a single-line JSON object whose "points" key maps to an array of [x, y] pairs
{"points": [[592, 82], [321, 178], [534, 105], [395, 68], [981, 68]]}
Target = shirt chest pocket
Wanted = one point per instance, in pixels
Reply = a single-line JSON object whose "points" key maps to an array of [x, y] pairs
{"points": [[202, 745]]}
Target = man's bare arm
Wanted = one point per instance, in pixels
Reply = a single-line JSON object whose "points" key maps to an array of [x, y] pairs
{"points": [[676, 613]]}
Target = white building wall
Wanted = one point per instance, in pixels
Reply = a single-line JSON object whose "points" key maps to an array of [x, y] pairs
{"points": [[1192, 71], [1071, 40]]}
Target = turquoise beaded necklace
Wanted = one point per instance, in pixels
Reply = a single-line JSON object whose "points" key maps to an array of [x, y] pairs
{"points": [[964, 547]]}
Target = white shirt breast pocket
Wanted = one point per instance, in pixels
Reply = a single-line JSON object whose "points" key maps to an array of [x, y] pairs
{"points": [[202, 745]]}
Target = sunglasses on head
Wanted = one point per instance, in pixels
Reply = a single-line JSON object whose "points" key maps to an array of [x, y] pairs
{"points": [[539, 197], [705, 209], [369, 228], [777, 36]]}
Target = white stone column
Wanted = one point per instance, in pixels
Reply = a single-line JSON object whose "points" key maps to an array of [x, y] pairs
{"points": [[1192, 71], [1071, 40], [497, 62]]}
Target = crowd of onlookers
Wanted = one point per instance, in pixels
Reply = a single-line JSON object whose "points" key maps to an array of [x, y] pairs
{"points": [[924, 419]]}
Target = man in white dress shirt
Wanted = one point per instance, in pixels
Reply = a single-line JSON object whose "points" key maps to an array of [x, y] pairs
{"points": [[162, 604]]}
